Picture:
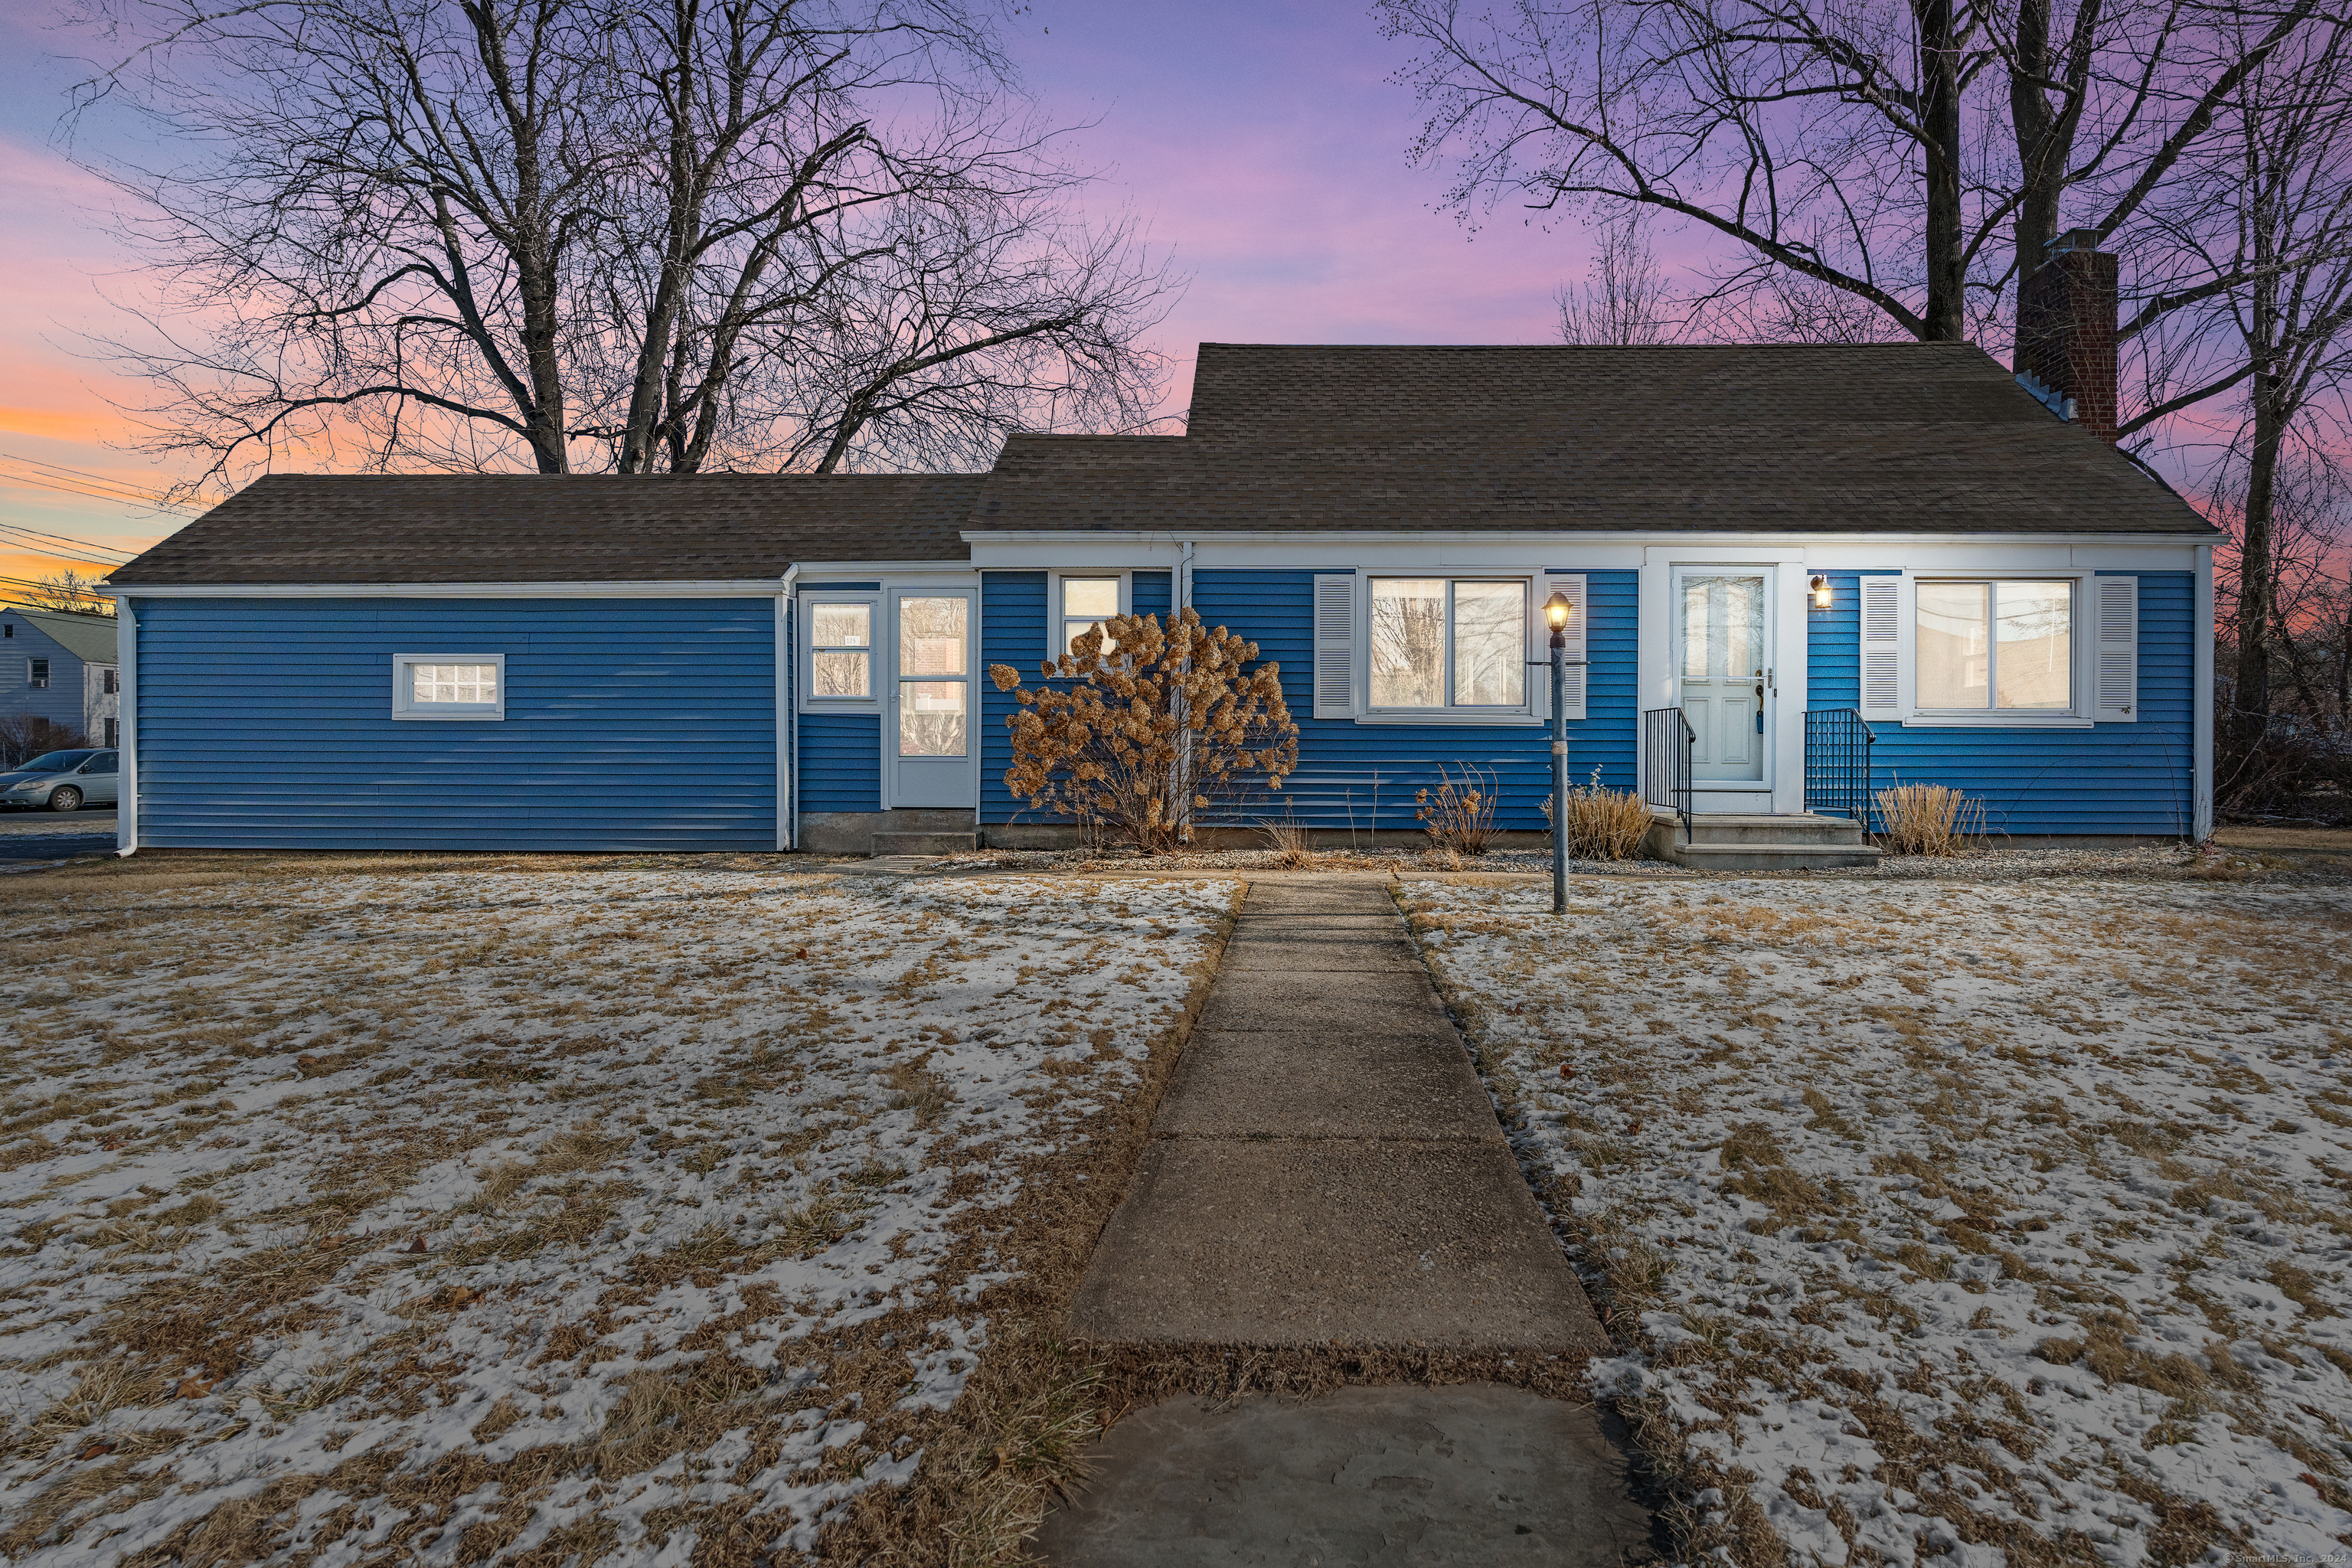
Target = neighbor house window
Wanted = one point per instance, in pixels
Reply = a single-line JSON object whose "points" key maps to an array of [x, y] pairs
{"points": [[841, 650], [37, 672], [113, 732], [1086, 603], [1439, 642], [449, 686], [1996, 647], [113, 682]]}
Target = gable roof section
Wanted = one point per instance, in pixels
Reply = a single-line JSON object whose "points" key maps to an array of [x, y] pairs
{"points": [[572, 528], [1876, 439], [89, 639]]}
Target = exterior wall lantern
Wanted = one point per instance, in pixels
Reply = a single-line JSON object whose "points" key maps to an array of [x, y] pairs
{"points": [[1820, 592]]}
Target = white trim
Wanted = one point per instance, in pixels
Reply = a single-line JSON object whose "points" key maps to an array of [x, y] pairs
{"points": [[2201, 698], [1055, 620], [405, 708], [731, 588], [787, 716], [126, 786], [1657, 685], [805, 648]]}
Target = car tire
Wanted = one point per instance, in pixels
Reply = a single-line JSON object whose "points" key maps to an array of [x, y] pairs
{"points": [[64, 797]]}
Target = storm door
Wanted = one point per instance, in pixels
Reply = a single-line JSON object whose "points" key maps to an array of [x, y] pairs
{"points": [[928, 731], [1720, 637]]}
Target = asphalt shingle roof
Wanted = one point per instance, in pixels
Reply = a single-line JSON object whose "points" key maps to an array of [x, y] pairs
{"points": [[89, 639], [1934, 437], [572, 528], [1872, 438]]}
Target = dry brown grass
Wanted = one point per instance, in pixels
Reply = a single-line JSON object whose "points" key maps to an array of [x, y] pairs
{"points": [[1459, 814], [1603, 824], [1930, 819]]}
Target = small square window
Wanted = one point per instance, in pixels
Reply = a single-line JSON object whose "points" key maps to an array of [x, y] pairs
{"points": [[841, 651], [449, 686], [1086, 603]]}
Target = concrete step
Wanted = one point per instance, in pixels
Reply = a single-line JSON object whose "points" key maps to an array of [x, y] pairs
{"points": [[1771, 857], [925, 843], [1805, 829], [1755, 843]]}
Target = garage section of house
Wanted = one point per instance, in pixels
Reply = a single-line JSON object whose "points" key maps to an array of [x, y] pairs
{"points": [[1798, 574]]}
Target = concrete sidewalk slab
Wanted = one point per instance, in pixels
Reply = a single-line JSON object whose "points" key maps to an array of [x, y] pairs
{"points": [[1304, 951], [1475, 1473], [1236, 1085], [1375, 1001], [1300, 1241]]}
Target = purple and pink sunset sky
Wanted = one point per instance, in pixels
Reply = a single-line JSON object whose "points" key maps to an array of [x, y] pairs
{"points": [[1263, 143]]}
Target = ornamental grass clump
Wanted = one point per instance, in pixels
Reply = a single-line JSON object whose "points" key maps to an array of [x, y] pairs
{"points": [[1602, 824], [1154, 724], [1459, 814], [1928, 819]]}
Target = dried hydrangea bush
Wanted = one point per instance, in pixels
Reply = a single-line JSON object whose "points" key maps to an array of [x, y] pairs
{"points": [[1960, 1223], [514, 1217]]}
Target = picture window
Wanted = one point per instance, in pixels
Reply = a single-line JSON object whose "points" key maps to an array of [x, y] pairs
{"points": [[1439, 642], [2004, 645]]}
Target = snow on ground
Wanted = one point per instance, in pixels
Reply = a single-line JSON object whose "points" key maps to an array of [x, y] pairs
{"points": [[462, 1215], [1947, 1222]]}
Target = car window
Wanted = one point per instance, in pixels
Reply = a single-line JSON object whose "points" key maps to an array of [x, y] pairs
{"points": [[54, 762], [101, 763]]}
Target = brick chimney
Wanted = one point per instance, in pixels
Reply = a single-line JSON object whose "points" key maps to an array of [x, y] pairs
{"points": [[2066, 331]]}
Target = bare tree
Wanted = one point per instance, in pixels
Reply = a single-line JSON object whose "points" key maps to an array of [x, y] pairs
{"points": [[1624, 300], [573, 233], [66, 590]]}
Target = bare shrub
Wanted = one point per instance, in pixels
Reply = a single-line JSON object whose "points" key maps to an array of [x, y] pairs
{"points": [[1602, 824], [1459, 814], [24, 736], [1152, 725], [1928, 819]]}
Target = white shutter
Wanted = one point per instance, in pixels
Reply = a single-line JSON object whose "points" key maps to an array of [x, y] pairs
{"points": [[1335, 646], [1882, 648], [1571, 583], [2114, 670]]}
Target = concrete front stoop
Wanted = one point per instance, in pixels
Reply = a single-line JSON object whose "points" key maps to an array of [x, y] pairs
{"points": [[925, 843], [1719, 841]]}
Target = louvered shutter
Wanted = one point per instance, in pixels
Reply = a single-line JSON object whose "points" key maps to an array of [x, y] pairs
{"points": [[1335, 646], [1571, 583], [2115, 669], [1882, 648]]}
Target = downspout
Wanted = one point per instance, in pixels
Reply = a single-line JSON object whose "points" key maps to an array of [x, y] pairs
{"points": [[2201, 719], [1183, 577], [126, 793], [788, 728]]}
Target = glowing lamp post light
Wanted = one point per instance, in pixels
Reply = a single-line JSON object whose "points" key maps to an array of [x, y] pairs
{"points": [[1558, 612]]}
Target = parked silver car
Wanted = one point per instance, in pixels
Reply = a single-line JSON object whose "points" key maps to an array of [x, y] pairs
{"points": [[62, 781]]}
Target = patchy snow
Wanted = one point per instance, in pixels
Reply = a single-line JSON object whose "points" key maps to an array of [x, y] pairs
{"points": [[466, 1214], [1947, 1222]]}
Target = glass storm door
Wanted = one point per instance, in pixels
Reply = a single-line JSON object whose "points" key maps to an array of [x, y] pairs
{"points": [[928, 734], [1720, 637]]}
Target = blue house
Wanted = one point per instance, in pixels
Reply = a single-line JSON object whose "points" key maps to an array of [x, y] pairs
{"points": [[1778, 554], [61, 667]]}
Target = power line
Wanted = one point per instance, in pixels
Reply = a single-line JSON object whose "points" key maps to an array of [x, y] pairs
{"points": [[78, 481], [148, 502], [59, 538]]}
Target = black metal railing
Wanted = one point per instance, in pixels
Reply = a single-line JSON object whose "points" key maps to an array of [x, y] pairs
{"points": [[1837, 763], [1667, 742]]}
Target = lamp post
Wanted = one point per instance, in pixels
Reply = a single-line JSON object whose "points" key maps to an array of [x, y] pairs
{"points": [[1556, 611]]}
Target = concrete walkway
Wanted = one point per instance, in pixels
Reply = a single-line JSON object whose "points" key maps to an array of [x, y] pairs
{"points": [[1325, 1167]]}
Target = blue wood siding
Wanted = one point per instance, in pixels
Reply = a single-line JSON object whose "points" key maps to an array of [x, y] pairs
{"points": [[841, 762], [631, 724], [1012, 631], [61, 702], [2110, 778], [1151, 594]]}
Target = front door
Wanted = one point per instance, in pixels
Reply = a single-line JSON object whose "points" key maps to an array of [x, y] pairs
{"points": [[927, 734], [1721, 634]]}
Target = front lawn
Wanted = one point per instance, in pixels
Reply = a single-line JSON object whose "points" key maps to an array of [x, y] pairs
{"points": [[1947, 1220], [599, 1215]]}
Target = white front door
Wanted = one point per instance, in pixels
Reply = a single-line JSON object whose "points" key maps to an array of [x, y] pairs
{"points": [[1723, 634], [927, 726]]}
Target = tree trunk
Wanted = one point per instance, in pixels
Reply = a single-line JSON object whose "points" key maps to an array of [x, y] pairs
{"points": [[2042, 162], [2257, 569], [1944, 320]]}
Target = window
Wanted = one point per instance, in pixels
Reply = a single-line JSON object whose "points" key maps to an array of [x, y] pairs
{"points": [[1439, 642], [104, 763], [932, 676], [841, 651], [449, 686], [114, 732], [1085, 602], [114, 681], [37, 672], [1996, 647]]}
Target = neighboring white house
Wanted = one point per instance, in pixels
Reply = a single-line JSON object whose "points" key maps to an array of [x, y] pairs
{"points": [[61, 666]]}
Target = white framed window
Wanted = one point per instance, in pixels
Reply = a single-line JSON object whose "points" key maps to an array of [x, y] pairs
{"points": [[36, 673], [1078, 600], [2000, 649], [837, 634], [449, 686], [1446, 644]]}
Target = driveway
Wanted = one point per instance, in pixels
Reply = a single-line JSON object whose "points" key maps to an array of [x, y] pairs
{"points": [[56, 835]]}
